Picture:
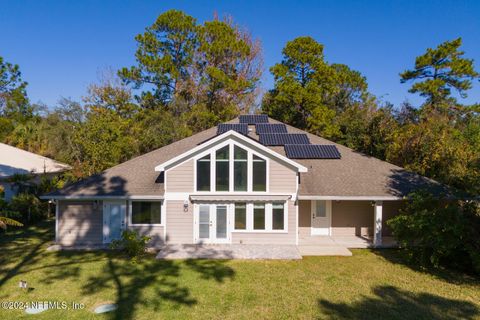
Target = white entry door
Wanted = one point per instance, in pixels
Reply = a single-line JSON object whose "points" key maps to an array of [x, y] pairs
{"points": [[113, 220], [321, 217], [212, 223]]}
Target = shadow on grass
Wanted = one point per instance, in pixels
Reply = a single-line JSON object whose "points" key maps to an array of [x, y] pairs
{"points": [[390, 302], [23, 246], [149, 283], [399, 256]]}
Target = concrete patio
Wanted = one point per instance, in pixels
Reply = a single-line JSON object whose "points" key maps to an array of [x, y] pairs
{"points": [[228, 251], [337, 245]]}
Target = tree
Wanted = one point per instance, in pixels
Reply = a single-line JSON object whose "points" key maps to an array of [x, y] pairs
{"points": [[440, 70], [438, 232], [184, 67], [164, 55], [13, 96], [229, 69], [308, 92], [299, 90]]}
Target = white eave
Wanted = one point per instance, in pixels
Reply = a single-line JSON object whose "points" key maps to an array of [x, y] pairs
{"points": [[248, 141], [87, 197], [350, 198], [239, 197]]}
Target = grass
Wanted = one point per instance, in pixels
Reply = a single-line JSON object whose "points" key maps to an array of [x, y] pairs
{"points": [[369, 285]]}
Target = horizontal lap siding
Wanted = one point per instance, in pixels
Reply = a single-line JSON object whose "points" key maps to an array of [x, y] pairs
{"points": [[180, 178], [351, 218], [304, 217], [270, 238], [79, 223], [282, 179], [155, 232], [179, 222]]}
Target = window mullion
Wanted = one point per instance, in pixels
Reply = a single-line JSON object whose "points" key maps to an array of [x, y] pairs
{"points": [[213, 164], [230, 168], [268, 216], [249, 171]]}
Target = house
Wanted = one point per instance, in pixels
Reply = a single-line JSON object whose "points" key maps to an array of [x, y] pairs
{"points": [[15, 161], [253, 180]]}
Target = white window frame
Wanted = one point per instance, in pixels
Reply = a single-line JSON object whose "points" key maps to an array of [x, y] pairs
{"points": [[268, 218], [213, 159], [162, 213], [233, 216]]}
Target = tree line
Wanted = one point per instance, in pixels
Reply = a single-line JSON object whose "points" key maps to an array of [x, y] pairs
{"points": [[190, 76]]}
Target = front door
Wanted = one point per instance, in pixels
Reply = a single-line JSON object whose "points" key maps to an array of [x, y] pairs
{"points": [[211, 223], [113, 220], [321, 217]]}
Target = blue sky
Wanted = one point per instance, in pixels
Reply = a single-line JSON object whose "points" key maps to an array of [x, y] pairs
{"points": [[62, 46]]}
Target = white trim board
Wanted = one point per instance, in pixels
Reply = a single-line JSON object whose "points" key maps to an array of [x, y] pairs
{"points": [[223, 137], [366, 198], [103, 197]]}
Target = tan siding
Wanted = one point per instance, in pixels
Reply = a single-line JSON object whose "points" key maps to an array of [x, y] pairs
{"points": [[271, 238], [304, 217], [79, 223], [390, 209], [155, 232], [352, 218], [180, 178], [179, 223], [282, 179]]}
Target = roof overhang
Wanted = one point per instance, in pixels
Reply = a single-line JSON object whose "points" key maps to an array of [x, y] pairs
{"points": [[87, 197], [351, 198], [242, 198], [223, 137]]}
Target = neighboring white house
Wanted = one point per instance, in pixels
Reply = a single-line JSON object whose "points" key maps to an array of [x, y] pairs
{"points": [[17, 161]]}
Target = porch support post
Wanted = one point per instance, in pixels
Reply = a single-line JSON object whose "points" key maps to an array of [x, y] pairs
{"points": [[377, 235], [57, 205]]}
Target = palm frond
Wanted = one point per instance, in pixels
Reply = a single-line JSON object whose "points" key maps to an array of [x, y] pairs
{"points": [[4, 222]]}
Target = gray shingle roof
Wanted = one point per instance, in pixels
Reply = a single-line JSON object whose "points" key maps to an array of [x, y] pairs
{"points": [[355, 174]]}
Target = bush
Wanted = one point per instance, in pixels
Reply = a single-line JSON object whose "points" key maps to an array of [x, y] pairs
{"points": [[439, 232], [28, 208], [131, 243]]}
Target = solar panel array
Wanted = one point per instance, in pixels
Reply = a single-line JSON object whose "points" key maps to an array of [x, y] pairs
{"points": [[271, 128], [311, 151], [297, 145], [281, 139], [238, 127], [254, 118]]}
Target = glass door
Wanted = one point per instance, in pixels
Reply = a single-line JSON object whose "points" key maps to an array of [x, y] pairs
{"points": [[212, 223]]}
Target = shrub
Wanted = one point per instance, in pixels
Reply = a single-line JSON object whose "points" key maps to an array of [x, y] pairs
{"points": [[131, 243], [28, 208], [438, 232]]}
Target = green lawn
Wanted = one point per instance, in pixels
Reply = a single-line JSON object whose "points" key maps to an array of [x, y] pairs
{"points": [[369, 285]]}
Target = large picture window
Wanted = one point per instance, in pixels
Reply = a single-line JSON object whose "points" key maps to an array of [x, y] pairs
{"points": [[146, 212], [203, 173], [222, 169], [259, 174], [231, 168], [240, 169]]}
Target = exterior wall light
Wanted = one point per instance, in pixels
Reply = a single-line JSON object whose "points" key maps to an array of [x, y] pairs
{"points": [[185, 206]]}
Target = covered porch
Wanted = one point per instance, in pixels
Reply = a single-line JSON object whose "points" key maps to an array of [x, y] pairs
{"points": [[348, 223]]}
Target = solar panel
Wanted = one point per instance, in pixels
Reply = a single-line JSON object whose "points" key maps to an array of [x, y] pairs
{"points": [[271, 128], [281, 139], [238, 127], [311, 151], [253, 118]]}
